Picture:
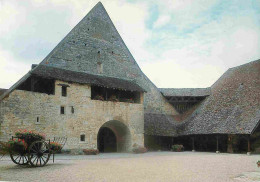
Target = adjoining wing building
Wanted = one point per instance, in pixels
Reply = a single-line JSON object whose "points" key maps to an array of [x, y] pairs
{"points": [[91, 90]]}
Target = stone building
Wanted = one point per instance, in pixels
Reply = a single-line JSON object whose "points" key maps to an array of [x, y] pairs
{"points": [[90, 89]]}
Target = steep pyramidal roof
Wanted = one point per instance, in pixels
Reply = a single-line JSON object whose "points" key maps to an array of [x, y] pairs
{"points": [[95, 41]]}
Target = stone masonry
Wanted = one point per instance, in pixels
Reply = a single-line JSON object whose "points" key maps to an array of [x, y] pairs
{"points": [[21, 109]]}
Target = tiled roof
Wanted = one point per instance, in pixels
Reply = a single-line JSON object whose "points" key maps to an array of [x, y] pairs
{"points": [[2, 90], [232, 108], [85, 78]]}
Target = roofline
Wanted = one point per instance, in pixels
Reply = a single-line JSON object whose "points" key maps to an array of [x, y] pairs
{"points": [[12, 88]]}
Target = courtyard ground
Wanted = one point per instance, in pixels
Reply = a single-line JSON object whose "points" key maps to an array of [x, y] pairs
{"points": [[152, 166]]}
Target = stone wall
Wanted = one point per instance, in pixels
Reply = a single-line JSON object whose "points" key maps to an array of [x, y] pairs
{"points": [[21, 109]]}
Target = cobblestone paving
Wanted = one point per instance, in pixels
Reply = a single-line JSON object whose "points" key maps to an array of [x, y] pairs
{"points": [[152, 166]]}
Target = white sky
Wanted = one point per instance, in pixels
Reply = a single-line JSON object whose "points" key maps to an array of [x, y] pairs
{"points": [[177, 43]]}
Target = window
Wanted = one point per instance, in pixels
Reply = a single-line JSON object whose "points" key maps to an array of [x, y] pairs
{"points": [[63, 91], [82, 138], [72, 109], [37, 120], [62, 110]]}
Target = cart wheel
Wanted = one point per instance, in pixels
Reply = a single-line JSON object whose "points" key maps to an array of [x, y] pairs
{"points": [[19, 158], [39, 153]]}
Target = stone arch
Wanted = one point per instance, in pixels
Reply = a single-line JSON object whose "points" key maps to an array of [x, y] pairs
{"points": [[122, 136]]}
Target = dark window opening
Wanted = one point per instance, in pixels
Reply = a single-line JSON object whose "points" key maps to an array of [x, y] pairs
{"points": [[38, 84], [98, 52], [114, 95], [72, 109], [64, 91], [62, 110], [82, 138], [37, 120]]}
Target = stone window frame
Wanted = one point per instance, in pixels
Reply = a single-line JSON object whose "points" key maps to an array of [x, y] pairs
{"points": [[84, 138], [64, 111], [72, 110], [64, 89], [38, 120]]}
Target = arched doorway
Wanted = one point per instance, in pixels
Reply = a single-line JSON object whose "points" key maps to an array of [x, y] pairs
{"points": [[114, 136], [106, 140]]}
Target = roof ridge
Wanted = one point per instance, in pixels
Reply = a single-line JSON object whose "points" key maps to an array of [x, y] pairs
{"points": [[186, 88], [251, 62]]}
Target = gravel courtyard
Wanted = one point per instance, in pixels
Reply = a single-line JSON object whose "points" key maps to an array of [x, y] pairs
{"points": [[152, 166]]}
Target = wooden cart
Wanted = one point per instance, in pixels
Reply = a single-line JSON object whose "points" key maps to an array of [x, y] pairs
{"points": [[37, 153]]}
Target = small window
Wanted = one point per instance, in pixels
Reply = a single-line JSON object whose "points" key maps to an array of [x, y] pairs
{"points": [[62, 110], [82, 138], [37, 120], [72, 110], [64, 91]]}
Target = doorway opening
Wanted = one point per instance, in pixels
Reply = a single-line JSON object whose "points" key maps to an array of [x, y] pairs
{"points": [[106, 140], [114, 136]]}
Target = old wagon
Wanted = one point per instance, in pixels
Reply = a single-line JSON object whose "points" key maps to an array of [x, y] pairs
{"points": [[33, 149]]}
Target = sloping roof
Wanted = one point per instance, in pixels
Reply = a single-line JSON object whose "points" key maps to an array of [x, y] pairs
{"points": [[233, 107], [85, 78], [95, 41], [160, 124], [181, 92], [234, 103], [2, 90]]}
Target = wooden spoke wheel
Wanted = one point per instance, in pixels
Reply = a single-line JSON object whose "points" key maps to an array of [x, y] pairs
{"points": [[39, 153], [20, 158]]}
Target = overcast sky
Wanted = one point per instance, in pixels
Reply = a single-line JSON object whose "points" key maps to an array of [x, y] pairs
{"points": [[177, 43]]}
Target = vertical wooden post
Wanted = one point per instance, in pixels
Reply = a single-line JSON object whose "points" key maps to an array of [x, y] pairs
{"points": [[230, 143], [106, 94], [217, 145], [248, 145], [171, 143], [193, 144]]}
